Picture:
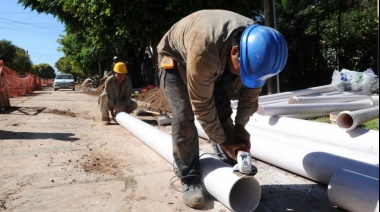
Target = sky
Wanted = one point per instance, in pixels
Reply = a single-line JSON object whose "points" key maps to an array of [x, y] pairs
{"points": [[31, 31]]}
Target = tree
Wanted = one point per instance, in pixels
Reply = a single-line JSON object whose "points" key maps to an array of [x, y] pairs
{"points": [[102, 29], [44, 70], [69, 66], [21, 63], [7, 51], [326, 35], [14, 57]]}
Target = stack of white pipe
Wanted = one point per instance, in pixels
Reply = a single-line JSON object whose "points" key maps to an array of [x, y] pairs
{"points": [[345, 160]]}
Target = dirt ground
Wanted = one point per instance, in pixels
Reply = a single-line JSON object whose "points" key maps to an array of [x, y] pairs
{"points": [[55, 155]]}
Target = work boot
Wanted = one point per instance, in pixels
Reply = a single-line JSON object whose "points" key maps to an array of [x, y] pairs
{"points": [[193, 195], [105, 121]]}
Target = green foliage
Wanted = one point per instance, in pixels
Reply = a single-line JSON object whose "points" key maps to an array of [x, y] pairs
{"points": [[322, 36], [44, 71], [7, 51], [371, 125], [327, 35], [14, 57], [21, 62], [96, 30], [69, 66]]}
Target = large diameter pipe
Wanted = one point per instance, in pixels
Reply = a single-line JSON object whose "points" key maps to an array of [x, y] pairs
{"points": [[315, 165], [318, 166], [375, 100], [316, 146], [236, 193], [354, 191], [351, 119], [290, 109], [358, 138]]}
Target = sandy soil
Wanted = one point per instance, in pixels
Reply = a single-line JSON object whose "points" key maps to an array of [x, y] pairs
{"points": [[55, 155]]}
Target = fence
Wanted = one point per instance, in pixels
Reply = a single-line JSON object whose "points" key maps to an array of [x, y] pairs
{"points": [[4, 97], [12, 85]]}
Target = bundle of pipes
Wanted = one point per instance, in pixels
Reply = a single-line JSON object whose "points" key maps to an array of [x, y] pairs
{"points": [[347, 161], [321, 103], [356, 189]]}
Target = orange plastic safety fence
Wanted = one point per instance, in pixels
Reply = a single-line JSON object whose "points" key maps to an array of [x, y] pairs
{"points": [[18, 86], [4, 98]]}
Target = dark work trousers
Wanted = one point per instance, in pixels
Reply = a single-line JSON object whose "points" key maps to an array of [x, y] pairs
{"points": [[184, 132]]}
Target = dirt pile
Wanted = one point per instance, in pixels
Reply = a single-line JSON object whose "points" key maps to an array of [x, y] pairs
{"points": [[157, 100]]}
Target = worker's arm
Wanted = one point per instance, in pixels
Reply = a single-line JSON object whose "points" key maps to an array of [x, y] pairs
{"points": [[201, 76], [247, 105]]}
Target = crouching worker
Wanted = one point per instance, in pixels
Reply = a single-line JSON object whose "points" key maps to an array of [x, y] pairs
{"points": [[116, 96]]}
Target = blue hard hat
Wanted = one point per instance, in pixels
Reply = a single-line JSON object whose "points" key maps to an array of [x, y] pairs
{"points": [[263, 54]]}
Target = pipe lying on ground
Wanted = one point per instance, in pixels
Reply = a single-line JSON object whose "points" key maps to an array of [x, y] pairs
{"points": [[358, 138], [375, 100], [354, 191], [318, 166], [303, 92], [307, 162], [291, 109], [351, 119], [236, 193], [326, 99], [316, 146], [305, 116]]}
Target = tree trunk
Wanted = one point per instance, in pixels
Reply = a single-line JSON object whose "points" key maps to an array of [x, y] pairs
{"points": [[270, 21]]}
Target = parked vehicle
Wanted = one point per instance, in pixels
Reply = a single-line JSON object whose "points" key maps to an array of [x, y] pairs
{"points": [[64, 81]]}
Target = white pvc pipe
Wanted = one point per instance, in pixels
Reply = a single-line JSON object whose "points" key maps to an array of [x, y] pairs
{"points": [[351, 119], [326, 99], [358, 139], [303, 92], [375, 100], [317, 146], [354, 192], [236, 193], [305, 116], [307, 162], [318, 166], [272, 102], [290, 109]]}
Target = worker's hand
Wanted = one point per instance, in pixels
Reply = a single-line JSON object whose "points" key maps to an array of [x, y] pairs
{"points": [[240, 141], [113, 113], [231, 149], [241, 136]]}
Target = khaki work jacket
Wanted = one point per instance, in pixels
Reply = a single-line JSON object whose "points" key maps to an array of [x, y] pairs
{"points": [[201, 44]]}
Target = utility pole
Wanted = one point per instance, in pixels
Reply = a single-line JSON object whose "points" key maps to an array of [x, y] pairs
{"points": [[270, 21]]}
